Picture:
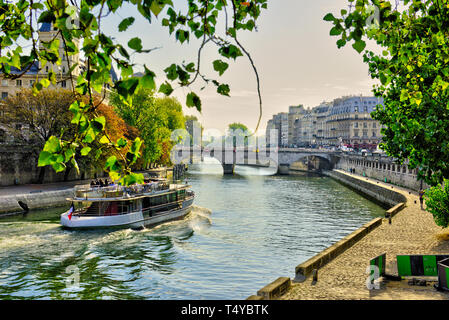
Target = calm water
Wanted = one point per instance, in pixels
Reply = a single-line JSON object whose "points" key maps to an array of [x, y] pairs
{"points": [[245, 231]]}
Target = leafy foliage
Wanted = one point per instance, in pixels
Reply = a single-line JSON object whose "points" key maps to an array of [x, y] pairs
{"points": [[155, 119], [413, 70], [100, 51], [437, 203]]}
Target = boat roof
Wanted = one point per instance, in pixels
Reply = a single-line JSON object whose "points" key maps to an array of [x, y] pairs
{"points": [[125, 196]]}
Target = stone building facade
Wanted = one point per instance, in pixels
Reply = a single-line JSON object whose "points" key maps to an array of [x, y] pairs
{"points": [[349, 123], [345, 121]]}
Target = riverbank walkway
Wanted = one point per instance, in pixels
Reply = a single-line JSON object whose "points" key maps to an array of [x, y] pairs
{"points": [[31, 188], [413, 231]]}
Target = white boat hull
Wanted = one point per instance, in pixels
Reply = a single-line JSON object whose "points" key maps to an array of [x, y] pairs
{"points": [[134, 220]]}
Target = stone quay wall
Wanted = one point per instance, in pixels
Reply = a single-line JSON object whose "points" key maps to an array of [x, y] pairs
{"points": [[18, 165], [388, 197], [36, 200], [381, 168]]}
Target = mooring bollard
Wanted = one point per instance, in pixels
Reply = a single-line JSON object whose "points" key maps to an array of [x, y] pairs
{"points": [[315, 276]]}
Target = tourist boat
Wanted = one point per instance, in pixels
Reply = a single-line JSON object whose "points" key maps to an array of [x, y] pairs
{"points": [[135, 207]]}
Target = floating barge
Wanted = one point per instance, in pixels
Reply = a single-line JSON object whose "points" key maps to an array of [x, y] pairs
{"points": [[136, 207]]}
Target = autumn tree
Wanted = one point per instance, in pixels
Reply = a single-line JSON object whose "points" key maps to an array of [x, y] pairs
{"points": [[33, 119], [155, 118]]}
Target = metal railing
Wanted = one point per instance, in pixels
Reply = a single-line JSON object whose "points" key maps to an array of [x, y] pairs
{"points": [[116, 191]]}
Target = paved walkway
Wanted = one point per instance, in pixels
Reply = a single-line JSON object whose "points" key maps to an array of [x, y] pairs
{"points": [[413, 231], [27, 188]]}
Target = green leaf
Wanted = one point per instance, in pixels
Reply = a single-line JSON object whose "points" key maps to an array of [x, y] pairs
{"points": [[112, 164], [193, 101], [166, 88], [223, 89], [171, 72], [52, 145], [135, 146], [46, 16], [121, 143], [104, 140], [230, 51], [156, 7], [45, 83], [75, 165], [329, 17], [359, 45], [58, 166], [220, 66], [147, 81], [98, 124], [69, 154], [132, 178], [44, 159], [125, 24], [85, 151], [135, 43], [335, 31], [182, 35]]}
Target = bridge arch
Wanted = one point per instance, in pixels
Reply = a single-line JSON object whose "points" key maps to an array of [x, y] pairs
{"points": [[311, 163]]}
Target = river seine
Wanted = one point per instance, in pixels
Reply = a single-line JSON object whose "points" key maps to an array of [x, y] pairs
{"points": [[245, 231]]}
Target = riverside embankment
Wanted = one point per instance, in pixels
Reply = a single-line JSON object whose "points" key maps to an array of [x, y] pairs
{"points": [[412, 231], [36, 196]]}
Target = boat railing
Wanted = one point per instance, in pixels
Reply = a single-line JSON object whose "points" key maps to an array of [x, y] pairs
{"points": [[117, 191]]}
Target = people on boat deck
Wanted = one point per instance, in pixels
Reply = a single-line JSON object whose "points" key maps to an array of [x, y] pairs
{"points": [[99, 183]]}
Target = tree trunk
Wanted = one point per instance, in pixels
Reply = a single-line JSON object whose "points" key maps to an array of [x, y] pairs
{"points": [[41, 176], [66, 174]]}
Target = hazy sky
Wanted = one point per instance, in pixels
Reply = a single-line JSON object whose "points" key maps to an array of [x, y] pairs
{"points": [[297, 60]]}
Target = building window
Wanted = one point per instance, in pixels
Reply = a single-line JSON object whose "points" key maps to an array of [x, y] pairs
{"points": [[32, 82], [63, 84], [63, 69], [374, 134], [46, 69], [4, 83], [4, 95], [365, 125], [374, 125], [19, 83], [356, 125]]}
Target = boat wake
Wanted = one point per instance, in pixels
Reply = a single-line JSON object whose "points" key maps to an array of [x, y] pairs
{"points": [[199, 217]]}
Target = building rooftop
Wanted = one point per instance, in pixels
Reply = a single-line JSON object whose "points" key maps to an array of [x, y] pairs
{"points": [[45, 27], [34, 69]]}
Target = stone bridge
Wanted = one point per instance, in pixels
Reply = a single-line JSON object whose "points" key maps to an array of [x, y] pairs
{"points": [[280, 159]]}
